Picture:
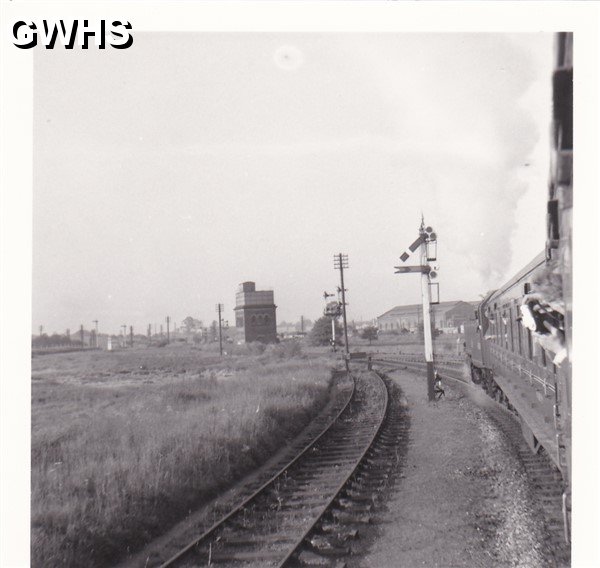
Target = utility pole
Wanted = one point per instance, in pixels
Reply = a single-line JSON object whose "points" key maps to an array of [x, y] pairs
{"points": [[41, 330], [168, 330], [149, 332], [302, 325], [340, 261], [220, 308], [130, 336], [427, 245], [81, 334], [95, 322], [124, 328]]}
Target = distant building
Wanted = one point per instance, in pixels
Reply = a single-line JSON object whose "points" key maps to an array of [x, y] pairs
{"points": [[446, 316], [255, 314]]}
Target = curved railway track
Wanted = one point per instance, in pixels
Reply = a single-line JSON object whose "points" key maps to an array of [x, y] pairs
{"points": [[546, 483], [273, 526]]}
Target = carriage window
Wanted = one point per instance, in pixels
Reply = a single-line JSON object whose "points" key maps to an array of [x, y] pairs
{"points": [[498, 329], [519, 338], [512, 330], [543, 356]]}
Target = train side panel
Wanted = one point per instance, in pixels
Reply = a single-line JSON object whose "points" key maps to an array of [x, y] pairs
{"points": [[529, 371]]}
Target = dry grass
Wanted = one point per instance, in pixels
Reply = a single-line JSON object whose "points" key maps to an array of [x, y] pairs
{"points": [[121, 452]]}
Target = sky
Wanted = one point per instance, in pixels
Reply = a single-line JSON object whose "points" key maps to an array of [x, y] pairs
{"points": [[168, 173]]}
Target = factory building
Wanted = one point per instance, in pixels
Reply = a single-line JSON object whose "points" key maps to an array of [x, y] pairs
{"points": [[446, 316], [255, 314]]}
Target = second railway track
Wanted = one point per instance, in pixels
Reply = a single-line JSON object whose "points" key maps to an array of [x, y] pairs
{"points": [[271, 528], [545, 480]]}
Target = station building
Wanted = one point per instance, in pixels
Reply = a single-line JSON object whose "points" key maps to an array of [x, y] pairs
{"points": [[255, 314], [446, 316]]}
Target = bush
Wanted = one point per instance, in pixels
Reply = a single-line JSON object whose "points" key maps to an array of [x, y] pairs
{"points": [[285, 350], [321, 332]]}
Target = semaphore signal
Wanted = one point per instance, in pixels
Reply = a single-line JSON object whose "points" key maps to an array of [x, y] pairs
{"points": [[426, 242]]}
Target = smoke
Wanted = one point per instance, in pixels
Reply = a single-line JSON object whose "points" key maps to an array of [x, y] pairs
{"points": [[464, 132]]}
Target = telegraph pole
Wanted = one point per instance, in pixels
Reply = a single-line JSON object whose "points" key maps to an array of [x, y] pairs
{"points": [[220, 308], [130, 336], [95, 322], [168, 331], [340, 261]]}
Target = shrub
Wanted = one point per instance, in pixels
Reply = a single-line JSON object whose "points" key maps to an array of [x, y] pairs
{"points": [[285, 350], [321, 332]]}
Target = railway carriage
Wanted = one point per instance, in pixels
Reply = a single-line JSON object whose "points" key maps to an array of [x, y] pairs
{"points": [[519, 344]]}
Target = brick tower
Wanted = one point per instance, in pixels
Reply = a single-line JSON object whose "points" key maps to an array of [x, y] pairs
{"points": [[255, 313]]}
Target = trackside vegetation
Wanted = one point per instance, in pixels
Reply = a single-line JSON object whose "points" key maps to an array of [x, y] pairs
{"points": [[125, 444]]}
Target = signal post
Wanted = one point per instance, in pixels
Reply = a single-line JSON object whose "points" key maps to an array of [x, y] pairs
{"points": [[427, 245], [427, 339]]}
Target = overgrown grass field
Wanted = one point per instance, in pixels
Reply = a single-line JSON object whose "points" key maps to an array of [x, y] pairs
{"points": [[124, 444]]}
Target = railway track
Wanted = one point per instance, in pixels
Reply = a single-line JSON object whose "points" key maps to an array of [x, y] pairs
{"points": [[309, 510], [545, 480], [449, 367]]}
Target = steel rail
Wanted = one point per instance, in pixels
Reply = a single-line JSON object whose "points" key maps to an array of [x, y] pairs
{"points": [[179, 555], [540, 485], [341, 486], [463, 382], [421, 365]]}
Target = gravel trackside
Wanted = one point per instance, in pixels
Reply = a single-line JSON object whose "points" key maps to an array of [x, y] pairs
{"points": [[462, 497]]}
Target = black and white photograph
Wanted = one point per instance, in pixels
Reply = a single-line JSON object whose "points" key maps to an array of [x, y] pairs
{"points": [[298, 290]]}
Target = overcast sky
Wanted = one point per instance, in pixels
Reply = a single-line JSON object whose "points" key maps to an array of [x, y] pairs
{"points": [[168, 173]]}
